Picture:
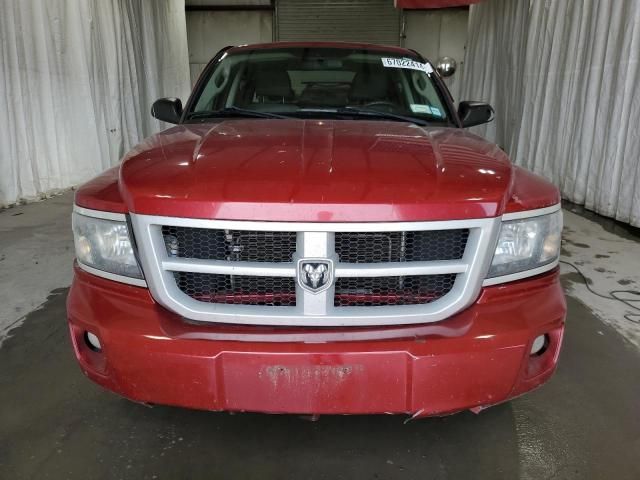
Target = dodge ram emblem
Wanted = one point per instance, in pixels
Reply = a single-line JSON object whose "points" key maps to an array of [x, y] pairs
{"points": [[315, 275]]}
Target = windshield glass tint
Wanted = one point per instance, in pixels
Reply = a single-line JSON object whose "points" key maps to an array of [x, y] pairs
{"points": [[298, 80]]}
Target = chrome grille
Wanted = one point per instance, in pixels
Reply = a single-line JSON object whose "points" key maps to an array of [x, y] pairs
{"points": [[237, 289], [247, 272], [229, 245], [378, 291], [412, 246]]}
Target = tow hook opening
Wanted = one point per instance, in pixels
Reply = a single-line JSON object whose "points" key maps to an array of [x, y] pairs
{"points": [[540, 345], [92, 341]]}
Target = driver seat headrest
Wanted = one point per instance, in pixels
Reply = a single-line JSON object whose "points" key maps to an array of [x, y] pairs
{"points": [[274, 84]]}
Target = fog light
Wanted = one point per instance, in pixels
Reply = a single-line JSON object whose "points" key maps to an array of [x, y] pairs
{"points": [[92, 341], [539, 345]]}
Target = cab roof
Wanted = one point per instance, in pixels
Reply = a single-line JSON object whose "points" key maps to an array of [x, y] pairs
{"points": [[345, 45]]}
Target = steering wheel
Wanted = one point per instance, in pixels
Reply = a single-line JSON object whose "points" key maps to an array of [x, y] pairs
{"points": [[389, 106]]}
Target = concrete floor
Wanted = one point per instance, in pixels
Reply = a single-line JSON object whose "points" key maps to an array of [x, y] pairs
{"points": [[54, 423]]}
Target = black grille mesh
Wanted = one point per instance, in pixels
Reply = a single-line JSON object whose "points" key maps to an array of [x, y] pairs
{"points": [[420, 246], [229, 245], [378, 291], [238, 289], [351, 247]]}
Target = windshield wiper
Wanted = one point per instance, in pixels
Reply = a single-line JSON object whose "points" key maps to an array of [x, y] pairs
{"points": [[375, 113], [363, 112], [234, 112]]}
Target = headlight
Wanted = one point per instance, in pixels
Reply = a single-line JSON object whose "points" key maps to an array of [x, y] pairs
{"points": [[526, 244], [104, 245]]}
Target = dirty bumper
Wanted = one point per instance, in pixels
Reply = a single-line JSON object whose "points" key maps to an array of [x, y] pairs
{"points": [[475, 359]]}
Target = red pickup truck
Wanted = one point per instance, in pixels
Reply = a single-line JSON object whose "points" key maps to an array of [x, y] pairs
{"points": [[318, 234]]}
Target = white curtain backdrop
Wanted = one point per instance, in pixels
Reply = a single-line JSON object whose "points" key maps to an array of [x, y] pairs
{"points": [[564, 78], [77, 80]]}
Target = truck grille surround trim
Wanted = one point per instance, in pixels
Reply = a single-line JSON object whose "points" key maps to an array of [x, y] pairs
{"points": [[241, 272]]}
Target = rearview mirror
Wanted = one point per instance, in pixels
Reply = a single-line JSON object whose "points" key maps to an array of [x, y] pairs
{"points": [[475, 113], [167, 109]]}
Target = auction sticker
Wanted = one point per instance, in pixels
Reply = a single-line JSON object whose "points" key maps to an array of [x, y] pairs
{"points": [[406, 63]]}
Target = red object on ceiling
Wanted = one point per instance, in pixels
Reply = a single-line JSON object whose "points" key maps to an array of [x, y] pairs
{"points": [[419, 4]]}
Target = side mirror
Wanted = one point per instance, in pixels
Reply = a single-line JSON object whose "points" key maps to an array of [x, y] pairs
{"points": [[167, 109], [475, 113]]}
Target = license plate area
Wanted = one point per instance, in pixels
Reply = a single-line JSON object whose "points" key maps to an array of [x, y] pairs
{"points": [[316, 383]]}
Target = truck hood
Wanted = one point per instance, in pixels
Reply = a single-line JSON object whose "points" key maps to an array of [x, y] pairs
{"points": [[316, 171]]}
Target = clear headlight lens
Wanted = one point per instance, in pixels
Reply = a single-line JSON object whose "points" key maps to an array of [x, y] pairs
{"points": [[526, 244], [104, 245]]}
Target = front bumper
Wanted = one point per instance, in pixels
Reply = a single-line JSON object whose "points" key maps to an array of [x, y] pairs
{"points": [[474, 359]]}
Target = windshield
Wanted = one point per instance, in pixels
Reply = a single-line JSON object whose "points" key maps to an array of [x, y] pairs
{"points": [[319, 82]]}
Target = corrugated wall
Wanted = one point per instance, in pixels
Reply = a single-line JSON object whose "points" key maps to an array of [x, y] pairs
{"points": [[370, 21]]}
